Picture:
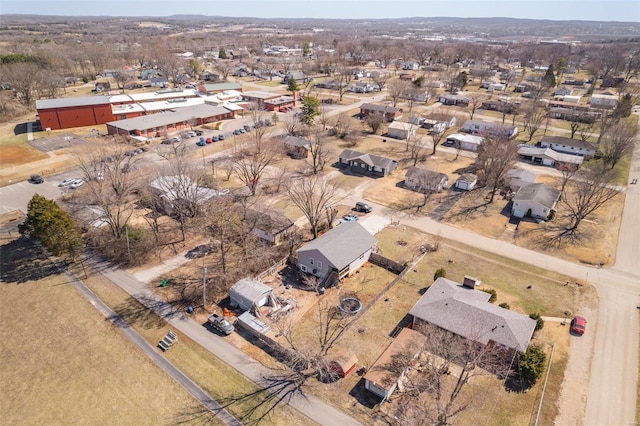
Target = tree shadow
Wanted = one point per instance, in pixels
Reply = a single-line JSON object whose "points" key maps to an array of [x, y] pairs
{"points": [[21, 261], [363, 396], [194, 415], [144, 314]]}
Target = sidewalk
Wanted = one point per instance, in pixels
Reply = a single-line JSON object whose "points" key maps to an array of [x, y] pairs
{"points": [[308, 405]]}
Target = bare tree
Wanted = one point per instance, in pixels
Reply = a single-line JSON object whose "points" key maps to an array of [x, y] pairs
{"points": [[224, 67], [313, 195], [568, 170], [291, 124], [592, 189], [475, 101], [256, 114], [374, 121], [343, 78], [495, 157], [319, 152], [617, 143], [418, 149], [24, 78], [395, 89], [534, 118], [250, 166]]}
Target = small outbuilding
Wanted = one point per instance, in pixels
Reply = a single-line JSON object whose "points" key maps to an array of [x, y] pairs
{"points": [[249, 294], [466, 181]]}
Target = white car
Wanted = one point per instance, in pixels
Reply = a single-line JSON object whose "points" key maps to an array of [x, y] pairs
{"points": [[77, 184], [191, 134], [66, 182]]}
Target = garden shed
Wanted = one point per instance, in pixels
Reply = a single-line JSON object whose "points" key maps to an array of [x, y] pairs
{"points": [[249, 294]]}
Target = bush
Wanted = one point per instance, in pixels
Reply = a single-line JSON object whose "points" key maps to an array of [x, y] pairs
{"points": [[440, 272], [504, 305], [492, 292], [531, 364], [539, 320]]}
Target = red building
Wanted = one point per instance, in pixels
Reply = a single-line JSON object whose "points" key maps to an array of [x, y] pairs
{"points": [[65, 113]]}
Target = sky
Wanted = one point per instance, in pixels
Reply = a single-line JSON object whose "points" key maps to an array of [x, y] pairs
{"points": [[589, 10]]}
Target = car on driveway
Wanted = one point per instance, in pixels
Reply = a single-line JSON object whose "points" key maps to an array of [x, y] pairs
{"points": [[221, 324], [66, 182], [578, 325], [201, 142], [36, 179]]}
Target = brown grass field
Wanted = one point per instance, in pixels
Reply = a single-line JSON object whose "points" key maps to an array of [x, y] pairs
{"points": [[64, 363]]}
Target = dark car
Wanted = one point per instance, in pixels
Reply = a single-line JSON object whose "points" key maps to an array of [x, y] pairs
{"points": [[215, 138], [247, 127], [198, 132], [201, 143], [363, 207], [221, 137], [36, 179], [578, 325]]}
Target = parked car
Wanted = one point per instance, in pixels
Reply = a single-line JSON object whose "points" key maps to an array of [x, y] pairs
{"points": [[191, 134], [236, 132], [198, 132], [66, 182], [36, 179], [76, 184], [363, 207], [175, 139], [166, 142], [247, 127], [578, 325], [201, 142], [242, 130], [209, 140], [215, 138], [221, 324], [220, 137]]}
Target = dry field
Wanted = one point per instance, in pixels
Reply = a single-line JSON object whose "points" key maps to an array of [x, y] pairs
{"points": [[64, 363]]}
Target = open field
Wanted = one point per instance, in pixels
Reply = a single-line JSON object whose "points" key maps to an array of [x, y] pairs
{"points": [[64, 363]]}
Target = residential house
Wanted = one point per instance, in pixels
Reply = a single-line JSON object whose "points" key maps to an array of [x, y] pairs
{"points": [[467, 313], [457, 100], [563, 91], [535, 200], [102, 86], [516, 178], [339, 252], [389, 113], [331, 84], [573, 114], [400, 130], [464, 142], [179, 190], [466, 182], [603, 101], [269, 225], [570, 146], [249, 294], [548, 157], [162, 82], [381, 379], [410, 65], [569, 99], [361, 87], [489, 128], [506, 107], [425, 181], [434, 84], [367, 164], [297, 147], [298, 76], [496, 87], [407, 75]]}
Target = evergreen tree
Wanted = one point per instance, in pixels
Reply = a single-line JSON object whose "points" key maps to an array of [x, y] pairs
{"points": [[222, 54], [531, 364], [293, 85], [47, 223], [310, 110], [306, 49], [549, 78]]}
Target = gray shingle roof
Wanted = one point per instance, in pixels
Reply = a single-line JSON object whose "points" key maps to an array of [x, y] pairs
{"points": [[424, 174], [578, 143], [370, 159], [342, 244], [296, 141], [538, 192], [466, 312], [71, 102], [169, 117], [380, 108]]}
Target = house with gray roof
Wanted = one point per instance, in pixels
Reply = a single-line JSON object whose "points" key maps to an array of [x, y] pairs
{"points": [[466, 312], [341, 250], [569, 146], [548, 156], [366, 164], [516, 178], [535, 200], [425, 181], [297, 147]]}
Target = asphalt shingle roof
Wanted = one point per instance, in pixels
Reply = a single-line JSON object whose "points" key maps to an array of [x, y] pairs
{"points": [[369, 159], [467, 313], [538, 192], [342, 244]]}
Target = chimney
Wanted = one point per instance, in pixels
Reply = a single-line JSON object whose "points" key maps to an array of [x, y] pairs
{"points": [[471, 282]]}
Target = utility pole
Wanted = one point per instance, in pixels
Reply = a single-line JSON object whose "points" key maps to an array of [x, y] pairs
{"points": [[126, 233], [204, 284]]}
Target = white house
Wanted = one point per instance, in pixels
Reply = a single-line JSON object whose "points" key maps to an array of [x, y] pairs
{"points": [[465, 142], [548, 157], [342, 250], [604, 101], [569, 146], [400, 130], [249, 294], [534, 200], [489, 128]]}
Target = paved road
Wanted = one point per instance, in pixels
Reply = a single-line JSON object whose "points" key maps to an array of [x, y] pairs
{"points": [[310, 406], [189, 385]]}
